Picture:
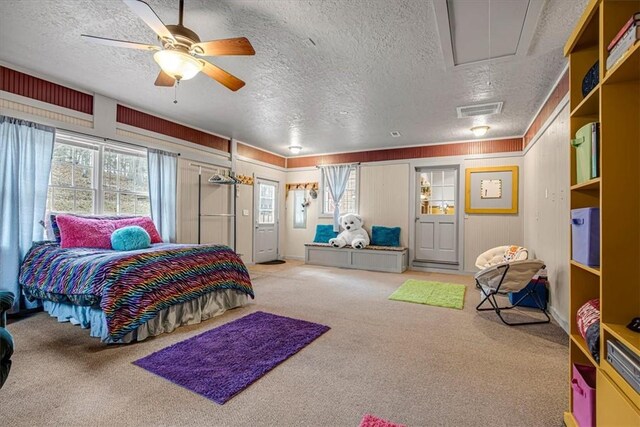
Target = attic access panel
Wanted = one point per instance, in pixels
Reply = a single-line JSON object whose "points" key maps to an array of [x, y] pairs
{"points": [[472, 32]]}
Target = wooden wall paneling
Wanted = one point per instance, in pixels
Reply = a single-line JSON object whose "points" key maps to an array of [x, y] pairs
{"points": [[32, 87], [440, 150], [131, 117], [260, 155]]}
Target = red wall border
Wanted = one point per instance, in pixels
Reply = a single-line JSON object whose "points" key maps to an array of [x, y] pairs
{"points": [[131, 117], [35, 88], [440, 150]]}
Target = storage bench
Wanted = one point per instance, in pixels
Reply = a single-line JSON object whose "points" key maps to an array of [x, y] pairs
{"points": [[375, 258]]}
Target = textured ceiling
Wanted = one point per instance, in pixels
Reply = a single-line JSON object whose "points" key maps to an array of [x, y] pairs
{"points": [[378, 60]]}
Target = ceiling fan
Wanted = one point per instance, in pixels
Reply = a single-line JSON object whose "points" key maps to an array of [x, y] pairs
{"points": [[179, 56]]}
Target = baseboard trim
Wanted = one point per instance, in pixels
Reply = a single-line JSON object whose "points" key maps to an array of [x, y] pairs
{"points": [[561, 321]]}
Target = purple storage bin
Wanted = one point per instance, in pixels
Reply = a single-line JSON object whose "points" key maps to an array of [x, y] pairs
{"points": [[583, 389], [585, 236]]}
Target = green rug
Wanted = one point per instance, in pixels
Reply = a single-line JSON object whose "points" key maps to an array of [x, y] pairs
{"points": [[431, 293]]}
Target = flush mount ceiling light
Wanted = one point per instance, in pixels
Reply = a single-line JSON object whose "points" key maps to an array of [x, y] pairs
{"points": [[179, 65], [295, 149], [479, 131]]}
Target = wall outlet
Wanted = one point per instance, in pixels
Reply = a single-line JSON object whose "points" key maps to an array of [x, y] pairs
{"points": [[245, 212]]}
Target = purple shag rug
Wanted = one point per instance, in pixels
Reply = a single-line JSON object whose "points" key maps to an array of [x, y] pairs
{"points": [[220, 363]]}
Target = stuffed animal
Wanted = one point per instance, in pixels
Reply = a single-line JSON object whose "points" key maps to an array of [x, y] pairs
{"points": [[353, 233]]}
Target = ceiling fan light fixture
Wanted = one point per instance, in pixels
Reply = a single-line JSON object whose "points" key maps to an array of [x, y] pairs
{"points": [[295, 149], [179, 65], [479, 131]]}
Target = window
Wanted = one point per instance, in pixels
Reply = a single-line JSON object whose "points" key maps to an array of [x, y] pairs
{"points": [[97, 178], [349, 201], [72, 181], [267, 203], [125, 185]]}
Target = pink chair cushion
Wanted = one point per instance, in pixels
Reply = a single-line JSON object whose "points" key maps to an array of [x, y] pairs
{"points": [[79, 232]]}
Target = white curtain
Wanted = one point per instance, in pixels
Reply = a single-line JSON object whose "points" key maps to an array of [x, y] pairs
{"points": [[336, 178], [25, 162], [163, 182]]}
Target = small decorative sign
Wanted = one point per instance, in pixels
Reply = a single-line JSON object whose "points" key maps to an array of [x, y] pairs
{"points": [[490, 188]]}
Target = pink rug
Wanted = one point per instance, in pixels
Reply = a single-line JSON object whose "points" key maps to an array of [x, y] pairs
{"points": [[370, 421]]}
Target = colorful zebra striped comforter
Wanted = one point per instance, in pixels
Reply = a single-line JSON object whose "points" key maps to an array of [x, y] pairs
{"points": [[131, 287]]}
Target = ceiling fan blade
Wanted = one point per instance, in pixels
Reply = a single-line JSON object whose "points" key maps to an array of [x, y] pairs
{"points": [[119, 43], [165, 79], [144, 11], [222, 77], [237, 46]]}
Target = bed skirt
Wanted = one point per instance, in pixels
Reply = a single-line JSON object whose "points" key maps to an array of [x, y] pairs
{"points": [[167, 320]]}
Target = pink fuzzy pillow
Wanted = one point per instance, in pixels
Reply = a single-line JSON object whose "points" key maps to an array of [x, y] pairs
{"points": [[144, 222], [78, 232]]}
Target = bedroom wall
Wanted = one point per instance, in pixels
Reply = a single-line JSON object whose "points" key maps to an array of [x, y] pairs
{"points": [[385, 199], [384, 193], [245, 201], [547, 230], [99, 117], [482, 232]]}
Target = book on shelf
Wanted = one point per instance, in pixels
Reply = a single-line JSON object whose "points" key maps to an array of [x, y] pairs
{"points": [[624, 44], [635, 18], [595, 144]]}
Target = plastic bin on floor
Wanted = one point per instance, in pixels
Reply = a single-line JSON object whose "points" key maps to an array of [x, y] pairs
{"points": [[583, 389], [585, 236], [538, 287]]}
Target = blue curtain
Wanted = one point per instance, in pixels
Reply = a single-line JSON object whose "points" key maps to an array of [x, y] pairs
{"points": [[336, 178], [25, 162], [163, 182]]}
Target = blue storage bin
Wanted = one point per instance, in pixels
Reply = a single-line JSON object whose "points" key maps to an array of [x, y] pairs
{"points": [[585, 236], [539, 288]]}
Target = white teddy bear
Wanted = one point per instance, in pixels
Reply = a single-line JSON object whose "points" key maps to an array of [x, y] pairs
{"points": [[353, 233]]}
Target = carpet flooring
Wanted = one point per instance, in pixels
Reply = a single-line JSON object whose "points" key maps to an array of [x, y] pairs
{"points": [[412, 364], [449, 295]]}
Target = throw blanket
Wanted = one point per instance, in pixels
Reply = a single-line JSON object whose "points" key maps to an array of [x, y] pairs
{"points": [[130, 287]]}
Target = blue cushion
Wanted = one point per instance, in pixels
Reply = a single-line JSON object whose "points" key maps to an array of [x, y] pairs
{"points": [[385, 236], [324, 232], [130, 238]]}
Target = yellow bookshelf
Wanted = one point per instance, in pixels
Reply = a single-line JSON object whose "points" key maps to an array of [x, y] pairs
{"points": [[615, 103]]}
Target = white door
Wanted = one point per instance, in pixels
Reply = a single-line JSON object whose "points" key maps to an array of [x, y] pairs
{"points": [[436, 224], [266, 221]]}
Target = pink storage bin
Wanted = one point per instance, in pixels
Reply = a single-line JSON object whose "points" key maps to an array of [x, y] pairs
{"points": [[583, 388]]}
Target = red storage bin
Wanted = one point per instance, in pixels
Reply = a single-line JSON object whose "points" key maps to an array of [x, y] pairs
{"points": [[583, 388]]}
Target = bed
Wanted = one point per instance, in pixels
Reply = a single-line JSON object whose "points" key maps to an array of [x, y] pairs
{"points": [[131, 295]]}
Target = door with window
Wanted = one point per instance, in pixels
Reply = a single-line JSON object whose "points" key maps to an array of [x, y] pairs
{"points": [[266, 221], [436, 217]]}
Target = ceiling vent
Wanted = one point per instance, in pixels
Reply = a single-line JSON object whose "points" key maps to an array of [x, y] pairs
{"points": [[479, 110]]}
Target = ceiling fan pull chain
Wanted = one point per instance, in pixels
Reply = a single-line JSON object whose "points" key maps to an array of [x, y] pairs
{"points": [[175, 92]]}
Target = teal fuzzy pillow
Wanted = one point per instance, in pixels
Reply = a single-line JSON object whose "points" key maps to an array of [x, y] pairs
{"points": [[130, 238], [385, 236], [324, 232]]}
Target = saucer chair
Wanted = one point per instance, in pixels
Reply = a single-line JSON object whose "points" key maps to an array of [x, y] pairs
{"points": [[500, 254], [508, 277]]}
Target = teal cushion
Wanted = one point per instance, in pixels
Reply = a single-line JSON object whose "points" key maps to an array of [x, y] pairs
{"points": [[324, 232], [385, 236], [130, 238]]}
